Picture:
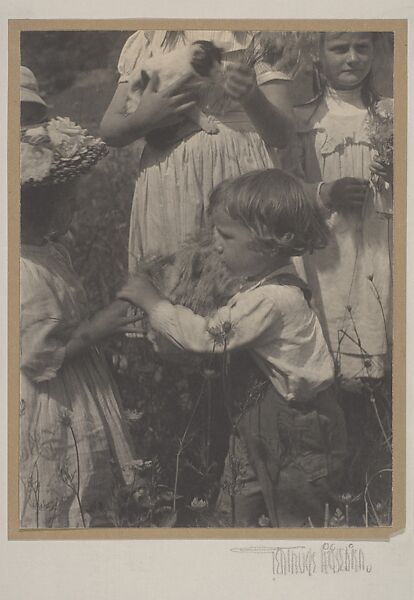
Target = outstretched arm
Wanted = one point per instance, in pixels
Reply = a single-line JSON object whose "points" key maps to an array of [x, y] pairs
{"points": [[267, 106], [231, 327]]}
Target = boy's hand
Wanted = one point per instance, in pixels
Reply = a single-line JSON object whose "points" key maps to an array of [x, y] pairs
{"points": [[240, 82], [140, 291]]}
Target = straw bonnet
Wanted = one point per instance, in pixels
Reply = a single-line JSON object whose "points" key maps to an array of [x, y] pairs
{"points": [[57, 151], [29, 88]]}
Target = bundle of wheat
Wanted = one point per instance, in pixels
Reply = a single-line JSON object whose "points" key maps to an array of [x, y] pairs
{"points": [[194, 276]]}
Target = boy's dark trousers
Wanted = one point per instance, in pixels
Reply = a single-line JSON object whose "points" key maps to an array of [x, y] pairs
{"points": [[287, 458]]}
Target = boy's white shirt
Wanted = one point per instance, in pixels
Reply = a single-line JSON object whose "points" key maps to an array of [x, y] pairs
{"points": [[272, 321]]}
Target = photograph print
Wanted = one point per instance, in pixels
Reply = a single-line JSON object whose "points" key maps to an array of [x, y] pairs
{"points": [[206, 279]]}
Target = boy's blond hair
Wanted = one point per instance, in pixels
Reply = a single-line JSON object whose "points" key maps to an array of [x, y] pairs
{"points": [[274, 206]]}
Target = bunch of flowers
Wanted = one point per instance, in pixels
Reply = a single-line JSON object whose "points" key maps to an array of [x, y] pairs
{"points": [[56, 151], [380, 127]]}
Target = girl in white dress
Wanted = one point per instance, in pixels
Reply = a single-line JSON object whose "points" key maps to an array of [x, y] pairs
{"points": [[351, 277], [252, 113]]}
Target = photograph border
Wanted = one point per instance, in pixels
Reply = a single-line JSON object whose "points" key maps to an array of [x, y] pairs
{"points": [[399, 28]]}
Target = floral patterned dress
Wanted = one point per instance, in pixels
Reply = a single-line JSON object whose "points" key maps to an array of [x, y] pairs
{"points": [[73, 441], [174, 183], [351, 278]]}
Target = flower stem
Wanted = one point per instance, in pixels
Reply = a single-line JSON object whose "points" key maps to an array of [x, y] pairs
{"points": [[374, 404], [177, 467], [378, 297], [182, 440], [77, 490]]}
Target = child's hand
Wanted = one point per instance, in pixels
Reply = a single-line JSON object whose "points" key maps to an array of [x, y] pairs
{"points": [[344, 194], [166, 107], [382, 170], [111, 320], [240, 82], [140, 291]]}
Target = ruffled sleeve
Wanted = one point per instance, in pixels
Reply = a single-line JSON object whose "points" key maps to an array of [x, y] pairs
{"points": [[265, 72], [43, 329], [136, 49], [239, 324]]}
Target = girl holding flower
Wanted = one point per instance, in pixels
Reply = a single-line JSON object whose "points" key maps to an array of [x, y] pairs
{"points": [[342, 155]]}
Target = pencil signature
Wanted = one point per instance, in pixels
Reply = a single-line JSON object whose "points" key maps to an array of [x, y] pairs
{"points": [[329, 559]]}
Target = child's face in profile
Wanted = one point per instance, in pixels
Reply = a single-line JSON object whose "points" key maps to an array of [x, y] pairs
{"points": [[233, 241], [346, 58]]}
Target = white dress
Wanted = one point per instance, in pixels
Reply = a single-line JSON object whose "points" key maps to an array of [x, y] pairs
{"points": [[351, 278], [173, 185], [73, 441]]}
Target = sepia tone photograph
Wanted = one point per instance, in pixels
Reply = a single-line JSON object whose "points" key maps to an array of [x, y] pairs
{"points": [[206, 279]]}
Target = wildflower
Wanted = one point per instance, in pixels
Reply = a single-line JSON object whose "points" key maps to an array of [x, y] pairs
{"points": [[133, 415], [348, 498], [66, 419], [210, 373], [222, 332], [371, 277], [134, 465], [385, 108], [264, 521], [198, 504], [138, 494], [338, 519], [380, 128], [349, 308]]}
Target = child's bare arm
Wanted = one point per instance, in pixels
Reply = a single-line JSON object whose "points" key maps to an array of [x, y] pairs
{"points": [[268, 106]]}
